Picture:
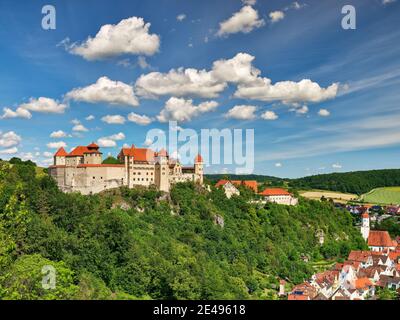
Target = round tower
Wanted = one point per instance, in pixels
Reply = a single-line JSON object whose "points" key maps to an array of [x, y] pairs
{"points": [[162, 171], [365, 225]]}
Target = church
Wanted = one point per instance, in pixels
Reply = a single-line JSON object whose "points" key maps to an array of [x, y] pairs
{"points": [[82, 170]]}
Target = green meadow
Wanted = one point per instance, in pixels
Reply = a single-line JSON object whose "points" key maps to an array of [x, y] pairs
{"points": [[387, 195]]}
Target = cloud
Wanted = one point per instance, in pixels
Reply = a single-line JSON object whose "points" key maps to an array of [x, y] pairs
{"points": [[56, 145], [47, 154], [129, 36], [179, 109], [90, 118], [336, 166], [105, 91], [117, 136], [113, 119], [18, 113], [139, 119], [384, 2], [286, 91], [199, 83], [106, 143], [269, 115], [299, 109], [237, 70], [147, 142], [110, 141], [79, 128], [12, 150], [243, 21], [276, 16], [278, 164], [9, 139], [179, 82], [249, 2], [323, 113], [181, 17], [142, 63], [43, 105], [242, 112], [58, 134]]}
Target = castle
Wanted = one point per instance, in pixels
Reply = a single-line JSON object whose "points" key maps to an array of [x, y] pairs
{"points": [[82, 170]]}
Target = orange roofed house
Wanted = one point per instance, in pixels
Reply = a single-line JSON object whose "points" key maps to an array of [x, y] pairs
{"points": [[231, 186], [82, 170], [279, 195]]}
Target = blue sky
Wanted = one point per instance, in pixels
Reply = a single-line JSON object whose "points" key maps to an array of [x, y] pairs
{"points": [[350, 121]]}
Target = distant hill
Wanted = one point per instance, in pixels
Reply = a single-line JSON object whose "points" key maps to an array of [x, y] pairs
{"points": [[357, 182]]}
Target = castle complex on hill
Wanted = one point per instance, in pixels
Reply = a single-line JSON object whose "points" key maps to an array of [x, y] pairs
{"points": [[82, 170]]}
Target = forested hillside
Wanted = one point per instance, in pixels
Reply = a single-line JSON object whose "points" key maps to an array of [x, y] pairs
{"points": [[142, 244], [358, 182]]}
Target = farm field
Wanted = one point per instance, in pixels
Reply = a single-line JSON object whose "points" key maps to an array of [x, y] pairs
{"points": [[386, 195], [335, 196]]}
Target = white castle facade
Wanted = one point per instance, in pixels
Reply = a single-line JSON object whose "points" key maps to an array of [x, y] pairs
{"points": [[82, 170]]}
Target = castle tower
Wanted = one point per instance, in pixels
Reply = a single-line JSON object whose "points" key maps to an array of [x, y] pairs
{"points": [[162, 171], [92, 155], [198, 168], [59, 157], [365, 225]]}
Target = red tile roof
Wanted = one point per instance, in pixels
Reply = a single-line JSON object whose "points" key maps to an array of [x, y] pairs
{"points": [[252, 184], [363, 283], [298, 297], [93, 146], [198, 158], [139, 154], [365, 215], [275, 192], [61, 152], [380, 239], [81, 150], [360, 256]]}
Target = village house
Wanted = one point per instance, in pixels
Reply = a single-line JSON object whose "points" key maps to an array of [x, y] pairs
{"points": [[82, 170], [231, 186], [279, 196]]}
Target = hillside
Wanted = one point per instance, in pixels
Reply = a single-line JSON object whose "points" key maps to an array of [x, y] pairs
{"points": [[357, 182], [141, 244], [387, 195]]}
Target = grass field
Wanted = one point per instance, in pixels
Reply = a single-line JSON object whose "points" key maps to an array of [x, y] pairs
{"points": [[335, 196], [387, 195]]}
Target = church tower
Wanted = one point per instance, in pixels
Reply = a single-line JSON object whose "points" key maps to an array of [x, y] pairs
{"points": [[365, 225]]}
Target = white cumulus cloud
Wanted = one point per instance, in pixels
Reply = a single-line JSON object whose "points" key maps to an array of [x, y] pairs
{"points": [[242, 112], [90, 118], [129, 36], [58, 134], [181, 17], [9, 139], [56, 145], [12, 150], [105, 91], [142, 120], [244, 21], [275, 16], [269, 115], [324, 113], [113, 119], [43, 105], [179, 109], [18, 113]]}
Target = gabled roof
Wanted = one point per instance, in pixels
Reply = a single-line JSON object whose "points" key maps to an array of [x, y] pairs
{"points": [[139, 154], [61, 152], [275, 192], [198, 158], [380, 239], [360, 256], [79, 151]]}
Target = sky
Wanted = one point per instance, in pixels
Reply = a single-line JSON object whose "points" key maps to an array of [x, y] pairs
{"points": [[320, 98]]}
